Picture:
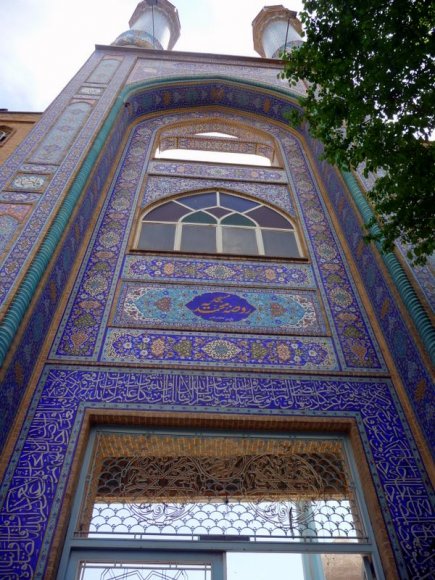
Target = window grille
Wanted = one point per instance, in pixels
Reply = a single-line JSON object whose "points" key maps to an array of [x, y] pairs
{"points": [[217, 493]]}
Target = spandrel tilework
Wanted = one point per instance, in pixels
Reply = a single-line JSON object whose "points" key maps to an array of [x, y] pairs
{"points": [[159, 187], [32, 493], [217, 308]]}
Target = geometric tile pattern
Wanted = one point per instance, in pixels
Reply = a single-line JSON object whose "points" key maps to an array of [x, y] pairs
{"points": [[37, 479]]}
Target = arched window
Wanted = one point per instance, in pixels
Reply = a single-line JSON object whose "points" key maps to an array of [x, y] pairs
{"points": [[218, 223]]}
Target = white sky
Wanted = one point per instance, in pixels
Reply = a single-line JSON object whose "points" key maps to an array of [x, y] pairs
{"points": [[43, 43]]}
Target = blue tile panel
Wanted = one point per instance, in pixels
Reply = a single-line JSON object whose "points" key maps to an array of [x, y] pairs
{"points": [[397, 332], [218, 308], [256, 273], [81, 332], [20, 368], [218, 350], [37, 478]]}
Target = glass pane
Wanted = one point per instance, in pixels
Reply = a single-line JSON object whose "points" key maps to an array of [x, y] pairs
{"points": [[199, 217], [239, 241], [237, 203], [157, 237], [266, 566], [269, 218], [200, 201], [279, 566], [138, 571], [198, 239], [168, 212], [287, 520], [237, 220], [282, 244], [218, 211]]}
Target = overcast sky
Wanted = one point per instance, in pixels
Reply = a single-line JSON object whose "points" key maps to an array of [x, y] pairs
{"points": [[44, 42]]}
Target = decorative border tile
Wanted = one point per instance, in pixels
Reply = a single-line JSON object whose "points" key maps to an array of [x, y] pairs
{"points": [[215, 350], [32, 492], [256, 273], [146, 69], [184, 169]]}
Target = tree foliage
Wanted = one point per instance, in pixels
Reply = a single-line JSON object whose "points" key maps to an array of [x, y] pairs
{"points": [[369, 67]]}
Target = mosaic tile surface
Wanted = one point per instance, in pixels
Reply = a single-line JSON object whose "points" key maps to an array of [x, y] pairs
{"points": [[27, 182], [162, 186], [217, 308], [422, 276], [32, 491], [62, 134], [104, 72], [255, 273], [21, 367], [354, 336], [399, 338], [173, 348], [37, 168], [146, 69], [11, 216], [183, 169], [20, 252]]}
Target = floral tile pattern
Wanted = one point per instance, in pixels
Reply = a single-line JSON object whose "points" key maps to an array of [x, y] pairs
{"points": [[11, 216], [159, 187], [169, 348], [183, 169], [255, 273], [217, 308]]}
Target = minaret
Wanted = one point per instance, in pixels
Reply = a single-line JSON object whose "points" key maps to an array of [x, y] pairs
{"points": [[154, 24], [276, 29]]}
